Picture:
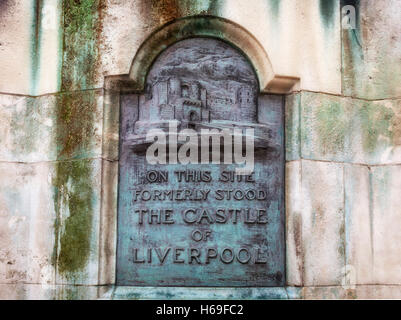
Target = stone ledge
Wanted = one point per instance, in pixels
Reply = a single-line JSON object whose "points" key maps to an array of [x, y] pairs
{"points": [[110, 292], [200, 293]]}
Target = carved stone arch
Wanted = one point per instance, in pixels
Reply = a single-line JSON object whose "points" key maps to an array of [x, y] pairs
{"points": [[213, 27]]}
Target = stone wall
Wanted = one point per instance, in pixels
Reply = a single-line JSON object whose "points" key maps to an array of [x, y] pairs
{"points": [[58, 167]]}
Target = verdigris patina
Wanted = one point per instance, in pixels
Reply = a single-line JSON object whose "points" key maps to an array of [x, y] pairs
{"points": [[199, 223]]}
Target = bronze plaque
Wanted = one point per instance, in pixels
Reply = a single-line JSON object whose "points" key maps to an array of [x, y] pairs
{"points": [[194, 220]]}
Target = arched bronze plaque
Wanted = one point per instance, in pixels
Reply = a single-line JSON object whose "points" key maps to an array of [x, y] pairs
{"points": [[201, 223]]}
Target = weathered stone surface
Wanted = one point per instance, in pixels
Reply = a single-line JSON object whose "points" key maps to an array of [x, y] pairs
{"points": [[323, 222], [30, 54], [358, 292], [386, 208], [371, 53], [372, 219], [350, 130], [77, 201], [359, 224], [294, 240], [278, 26], [26, 128], [108, 223], [48, 128], [78, 125], [378, 292], [324, 127], [93, 48], [111, 123], [302, 39], [376, 132], [82, 41], [26, 221], [292, 127], [26, 292], [16, 37], [48, 292], [328, 293], [50, 218], [72, 292], [47, 47]]}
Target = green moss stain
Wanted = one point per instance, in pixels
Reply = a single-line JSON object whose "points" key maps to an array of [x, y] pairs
{"points": [[35, 44], [352, 58], [75, 123], [196, 7], [157, 12], [352, 55], [328, 11], [332, 126], [81, 36], [376, 122], [214, 7], [274, 7], [339, 124], [73, 194]]}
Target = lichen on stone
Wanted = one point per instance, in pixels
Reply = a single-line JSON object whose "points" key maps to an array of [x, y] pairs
{"points": [[376, 121], [74, 194], [75, 123], [333, 125], [81, 43]]}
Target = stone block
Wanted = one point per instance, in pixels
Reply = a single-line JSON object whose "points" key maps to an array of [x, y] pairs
{"points": [[26, 130], [48, 42], [386, 207], [27, 219], [372, 222], [323, 223], [328, 293], [376, 292], [17, 32], [371, 53], [325, 127], [359, 224], [52, 127], [301, 38], [350, 130], [376, 132]]}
